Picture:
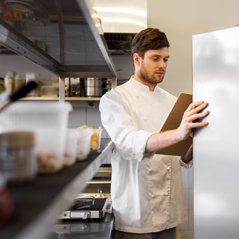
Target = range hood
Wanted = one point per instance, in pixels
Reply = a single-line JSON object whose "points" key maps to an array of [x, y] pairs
{"points": [[62, 36], [119, 43]]}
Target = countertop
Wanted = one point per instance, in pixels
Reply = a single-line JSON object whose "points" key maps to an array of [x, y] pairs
{"points": [[85, 229], [40, 202]]}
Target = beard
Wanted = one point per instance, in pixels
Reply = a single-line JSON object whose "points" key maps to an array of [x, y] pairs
{"points": [[149, 77]]}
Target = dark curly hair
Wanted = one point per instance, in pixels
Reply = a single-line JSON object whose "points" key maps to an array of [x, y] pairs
{"points": [[148, 39]]}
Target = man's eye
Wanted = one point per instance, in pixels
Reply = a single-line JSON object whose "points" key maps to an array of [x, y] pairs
{"points": [[155, 59], [166, 60]]}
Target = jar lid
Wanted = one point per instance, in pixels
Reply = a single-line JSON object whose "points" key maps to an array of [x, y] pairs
{"points": [[17, 138]]}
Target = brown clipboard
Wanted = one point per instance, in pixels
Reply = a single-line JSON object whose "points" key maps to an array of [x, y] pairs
{"points": [[173, 121]]}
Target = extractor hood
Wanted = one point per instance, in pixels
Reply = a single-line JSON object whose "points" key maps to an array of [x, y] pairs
{"points": [[121, 21], [119, 43], [62, 36]]}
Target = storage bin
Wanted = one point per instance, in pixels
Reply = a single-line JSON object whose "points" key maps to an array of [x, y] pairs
{"points": [[18, 161], [84, 143], [71, 146], [96, 139], [49, 91], [48, 121]]}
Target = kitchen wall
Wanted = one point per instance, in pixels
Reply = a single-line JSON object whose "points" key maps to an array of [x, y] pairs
{"points": [[180, 20], [21, 65]]}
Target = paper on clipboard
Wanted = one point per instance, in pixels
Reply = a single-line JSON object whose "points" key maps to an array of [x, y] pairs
{"points": [[173, 121]]}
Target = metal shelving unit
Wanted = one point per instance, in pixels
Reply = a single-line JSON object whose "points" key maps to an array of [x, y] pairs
{"points": [[74, 46], [73, 40], [39, 203], [66, 98]]}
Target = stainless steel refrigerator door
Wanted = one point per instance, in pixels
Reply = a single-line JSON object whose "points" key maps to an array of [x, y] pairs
{"points": [[216, 147]]}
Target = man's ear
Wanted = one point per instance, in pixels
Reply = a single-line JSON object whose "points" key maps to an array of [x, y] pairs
{"points": [[136, 59]]}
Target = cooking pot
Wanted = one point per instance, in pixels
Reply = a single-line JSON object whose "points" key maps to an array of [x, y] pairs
{"points": [[93, 87]]}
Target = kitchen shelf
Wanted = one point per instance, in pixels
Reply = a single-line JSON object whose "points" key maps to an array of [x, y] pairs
{"points": [[67, 39], [66, 98], [39, 203]]}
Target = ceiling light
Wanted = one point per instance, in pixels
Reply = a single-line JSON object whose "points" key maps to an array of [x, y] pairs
{"points": [[122, 10], [108, 19]]}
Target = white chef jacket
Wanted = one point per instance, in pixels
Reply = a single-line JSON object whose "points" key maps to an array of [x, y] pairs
{"points": [[146, 188]]}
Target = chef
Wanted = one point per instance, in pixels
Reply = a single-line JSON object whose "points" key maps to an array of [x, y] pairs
{"points": [[146, 188]]}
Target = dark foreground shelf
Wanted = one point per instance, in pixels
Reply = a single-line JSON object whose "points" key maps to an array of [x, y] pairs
{"points": [[39, 203]]}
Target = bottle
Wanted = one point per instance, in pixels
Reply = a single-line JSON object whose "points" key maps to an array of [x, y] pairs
{"points": [[8, 82], [18, 83], [67, 87], [2, 88]]}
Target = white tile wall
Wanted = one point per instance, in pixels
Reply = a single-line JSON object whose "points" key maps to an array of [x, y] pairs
{"points": [[82, 114], [186, 229]]}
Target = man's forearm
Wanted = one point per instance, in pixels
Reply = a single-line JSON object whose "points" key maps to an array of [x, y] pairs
{"points": [[161, 140]]}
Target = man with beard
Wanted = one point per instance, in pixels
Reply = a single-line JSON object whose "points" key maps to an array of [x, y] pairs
{"points": [[146, 188]]}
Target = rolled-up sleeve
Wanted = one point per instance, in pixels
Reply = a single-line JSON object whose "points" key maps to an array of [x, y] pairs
{"points": [[129, 141]]}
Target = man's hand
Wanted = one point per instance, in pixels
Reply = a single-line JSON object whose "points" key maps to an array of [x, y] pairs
{"points": [[190, 116], [165, 139]]}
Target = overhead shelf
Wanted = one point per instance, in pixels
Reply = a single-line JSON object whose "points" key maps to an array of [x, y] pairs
{"points": [[64, 37], [57, 98]]}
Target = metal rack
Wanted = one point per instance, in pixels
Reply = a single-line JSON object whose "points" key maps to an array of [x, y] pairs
{"points": [[84, 53], [71, 181]]}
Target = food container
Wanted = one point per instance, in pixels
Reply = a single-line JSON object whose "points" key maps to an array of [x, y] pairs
{"points": [[49, 91], [84, 143], [71, 146], [96, 139], [48, 121], [18, 161], [75, 87]]}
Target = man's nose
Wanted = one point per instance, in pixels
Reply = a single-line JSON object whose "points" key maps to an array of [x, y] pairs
{"points": [[162, 64]]}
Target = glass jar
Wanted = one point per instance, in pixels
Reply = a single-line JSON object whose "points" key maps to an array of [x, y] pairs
{"points": [[18, 161], [75, 87]]}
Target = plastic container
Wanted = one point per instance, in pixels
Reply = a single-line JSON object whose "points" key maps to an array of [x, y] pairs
{"points": [[49, 91], [71, 146], [84, 143], [18, 161], [49, 122], [96, 139], [9, 82]]}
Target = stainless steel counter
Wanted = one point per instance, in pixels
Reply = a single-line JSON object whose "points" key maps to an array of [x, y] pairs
{"points": [[39, 203], [86, 229]]}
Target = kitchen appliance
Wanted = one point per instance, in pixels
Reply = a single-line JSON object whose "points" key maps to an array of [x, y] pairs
{"points": [[87, 208], [215, 147]]}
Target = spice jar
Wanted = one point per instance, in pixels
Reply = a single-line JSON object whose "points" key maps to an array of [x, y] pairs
{"points": [[18, 83], [9, 82], [18, 161]]}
